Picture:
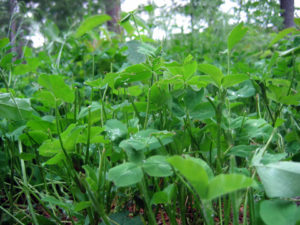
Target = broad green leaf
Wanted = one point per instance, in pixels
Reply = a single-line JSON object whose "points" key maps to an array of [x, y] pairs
{"points": [[134, 143], [146, 49], [125, 18], [160, 96], [279, 94], [15, 109], [90, 23], [125, 174], [95, 108], [246, 90], [4, 42], [43, 124], [135, 90], [6, 60], [115, 129], [157, 166], [27, 156], [35, 136], [45, 97], [202, 111], [214, 72], [227, 183], [57, 86], [199, 82], [134, 73], [279, 212], [95, 136], [203, 164], [193, 172], [134, 57], [175, 68], [234, 79], [189, 69], [69, 138], [55, 159], [51, 31], [123, 218], [165, 196], [281, 179], [54, 201], [22, 69], [236, 35], [256, 128], [82, 205], [282, 34], [243, 151], [192, 98], [297, 21]]}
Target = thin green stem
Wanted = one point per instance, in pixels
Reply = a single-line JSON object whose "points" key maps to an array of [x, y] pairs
{"points": [[26, 185], [147, 109], [11, 215], [88, 136], [144, 191]]}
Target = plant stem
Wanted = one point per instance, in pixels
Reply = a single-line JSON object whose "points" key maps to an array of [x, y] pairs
{"points": [[148, 108], [144, 191], [88, 136], [26, 185]]}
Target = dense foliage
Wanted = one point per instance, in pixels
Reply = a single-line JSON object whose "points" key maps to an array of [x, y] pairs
{"points": [[124, 130]]}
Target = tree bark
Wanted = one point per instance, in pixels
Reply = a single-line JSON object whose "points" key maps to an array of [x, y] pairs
{"points": [[13, 25], [287, 7], [113, 9]]}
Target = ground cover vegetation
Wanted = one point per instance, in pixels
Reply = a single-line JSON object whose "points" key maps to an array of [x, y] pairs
{"points": [[107, 127]]}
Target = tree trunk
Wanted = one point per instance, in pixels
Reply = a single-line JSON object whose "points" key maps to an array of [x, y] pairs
{"points": [[13, 25], [287, 7], [113, 9]]}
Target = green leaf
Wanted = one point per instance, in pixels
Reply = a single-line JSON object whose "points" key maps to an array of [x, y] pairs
{"points": [[57, 86], [6, 60], [123, 218], [82, 205], [279, 212], [226, 183], [125, 174], [202, 111], [15, 109], [90, 23], [246, 90], [115, 129], [165, 196], [234, 79], [69, 137], [188, 168], [189, 69], [134, 73], [214, 72], [133, 55], [27, 156], [45, 97], [281, 179], [236, 35], [282, 34], [4, 42], [55, 159], [51, 31], [242, 150], [54, 201], [203, 164], [22, 69], [157, 166], [125, 18]]}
